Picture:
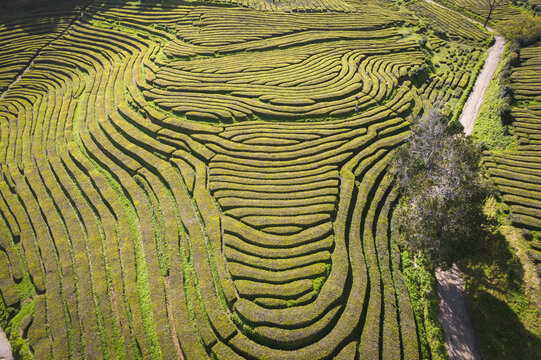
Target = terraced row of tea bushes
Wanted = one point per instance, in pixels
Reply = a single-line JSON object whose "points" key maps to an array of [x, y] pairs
{"points": [[217, 27], [97, 262], [130, 231], [294, 5], [480, 9], [454, 70], [447, 24], [22, 36], [310, 307], [517, 174], [326, 82], [275, 81]]}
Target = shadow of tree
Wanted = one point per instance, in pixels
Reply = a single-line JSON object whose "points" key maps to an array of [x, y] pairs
{"points": [[500, 331], [494, 280], [495, 253], [34, 18]]}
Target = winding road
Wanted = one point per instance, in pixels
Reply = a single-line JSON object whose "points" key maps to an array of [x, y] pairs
{"points": [[495, 52], [459, 333]]}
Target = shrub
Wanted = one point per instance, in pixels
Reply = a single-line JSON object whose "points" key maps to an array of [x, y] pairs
{"points": [[524, 29], [505, 74], [506, 92], [513, 58], [504, 111], [441, 34], [418, 73]]}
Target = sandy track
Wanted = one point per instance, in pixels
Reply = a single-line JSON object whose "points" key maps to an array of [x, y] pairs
{"points": [[5, 348], [473, 105], [458, 331]]}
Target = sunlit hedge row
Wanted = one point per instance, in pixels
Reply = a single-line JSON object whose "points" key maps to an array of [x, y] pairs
{"points": [[206, 182]]}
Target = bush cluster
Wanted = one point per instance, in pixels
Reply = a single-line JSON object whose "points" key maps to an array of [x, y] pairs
{"points": [[524, 29]]}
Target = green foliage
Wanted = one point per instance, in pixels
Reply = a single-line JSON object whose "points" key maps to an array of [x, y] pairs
{"points": [[442, 189], [524, 29], [489, 129], [420, 73], [507, 321], [421, 285]]}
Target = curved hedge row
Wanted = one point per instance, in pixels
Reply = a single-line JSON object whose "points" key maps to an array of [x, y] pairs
{"points": [[206, 182], [517, 174]]}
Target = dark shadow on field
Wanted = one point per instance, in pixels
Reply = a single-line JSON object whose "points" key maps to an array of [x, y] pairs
{"points": [[38, 17], [500, 332], [496, 253], [493, 275]]}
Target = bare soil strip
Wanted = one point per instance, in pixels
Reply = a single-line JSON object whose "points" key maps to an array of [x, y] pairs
{"points": [[5, 348], [458, 331]]}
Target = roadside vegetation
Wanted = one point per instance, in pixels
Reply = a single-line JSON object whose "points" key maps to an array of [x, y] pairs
{"points": [[501, 280], [503, 291]]}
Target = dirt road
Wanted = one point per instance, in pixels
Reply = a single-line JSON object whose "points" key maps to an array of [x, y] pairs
{"points": [[473, 105], [458, 331], [5, 348]]}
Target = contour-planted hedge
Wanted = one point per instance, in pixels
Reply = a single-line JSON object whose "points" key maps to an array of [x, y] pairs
{"points": [[181, 181]]}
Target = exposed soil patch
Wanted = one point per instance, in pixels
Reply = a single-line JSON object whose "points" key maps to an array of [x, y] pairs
{"points": [[473, 105], [458, 331], [5, 348]]}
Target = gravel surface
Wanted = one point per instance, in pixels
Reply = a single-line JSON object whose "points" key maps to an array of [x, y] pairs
{"points": [[5, 348], [458, 331], [473, 105]]}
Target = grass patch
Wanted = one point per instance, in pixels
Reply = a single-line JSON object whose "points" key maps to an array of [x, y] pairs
{"points": [[507, 321], [488, 128], [421, 284]]}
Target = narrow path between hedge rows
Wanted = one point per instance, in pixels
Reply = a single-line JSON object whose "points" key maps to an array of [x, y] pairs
{"points": [[459, 333]]}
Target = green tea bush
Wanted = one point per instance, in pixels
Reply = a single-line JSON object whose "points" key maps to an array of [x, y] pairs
{"points": [[524, 29]]}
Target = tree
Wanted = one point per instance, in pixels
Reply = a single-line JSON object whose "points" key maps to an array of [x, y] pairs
{"points": [[492, 4], [442, 188], [525, 29]]}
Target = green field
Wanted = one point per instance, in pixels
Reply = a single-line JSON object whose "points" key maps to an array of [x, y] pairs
{"points": [[209, 179]]}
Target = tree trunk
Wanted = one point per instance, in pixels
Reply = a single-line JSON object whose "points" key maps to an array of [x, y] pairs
{"points": [[488, 17]]}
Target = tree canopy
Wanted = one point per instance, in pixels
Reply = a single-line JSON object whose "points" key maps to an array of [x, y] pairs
{"points": [[442, 192], [524, 29]]}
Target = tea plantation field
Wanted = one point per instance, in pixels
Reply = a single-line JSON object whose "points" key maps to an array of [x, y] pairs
{"points": [[209, 179], [517, 174]]}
